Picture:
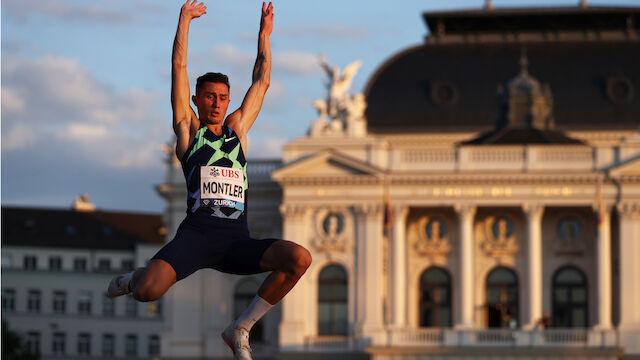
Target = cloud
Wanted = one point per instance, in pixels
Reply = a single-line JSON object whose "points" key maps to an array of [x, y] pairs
{"points": [[17, 137], [265, 147], [290, 62], [333, 30], [58, 105], [62, 10], [296, 63]]}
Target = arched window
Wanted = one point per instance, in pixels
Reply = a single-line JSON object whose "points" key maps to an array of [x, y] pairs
{"points": [[502, 298], [435, 297], [570, 292], [246, 290], [332, 301]]}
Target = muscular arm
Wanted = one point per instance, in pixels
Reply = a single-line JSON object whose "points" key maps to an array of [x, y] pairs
{"points": [[185, 121], [242, 119]]}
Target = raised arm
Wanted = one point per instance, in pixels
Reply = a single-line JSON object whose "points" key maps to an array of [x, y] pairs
{"points": [[185, 121], [242, 119]]}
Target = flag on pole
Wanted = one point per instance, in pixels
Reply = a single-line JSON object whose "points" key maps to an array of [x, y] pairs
{"points": [[388, 216]]}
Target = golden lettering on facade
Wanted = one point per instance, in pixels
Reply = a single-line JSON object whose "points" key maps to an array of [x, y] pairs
{"points": [[472, 192], [554, 191]]}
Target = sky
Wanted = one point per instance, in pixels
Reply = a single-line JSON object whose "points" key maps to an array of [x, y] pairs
{"points": [[85, 97]]}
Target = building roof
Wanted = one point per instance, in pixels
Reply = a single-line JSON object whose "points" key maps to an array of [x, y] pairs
{"points": [[595, 18], [452, 86], [516, 136], [59, 228]]}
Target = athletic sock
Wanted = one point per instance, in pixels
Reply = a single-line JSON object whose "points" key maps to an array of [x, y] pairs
{"points": [[253, 313]]}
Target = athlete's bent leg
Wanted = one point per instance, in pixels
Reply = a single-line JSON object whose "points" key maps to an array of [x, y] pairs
{"points": [[150, 283], [289, 261], [146, 284]]}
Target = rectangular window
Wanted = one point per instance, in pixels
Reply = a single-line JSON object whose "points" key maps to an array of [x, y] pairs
{"points": [[30, 262], [7, 261], [8, 300], [153, 309], [33, 301], [80, 264], [108, 345], [126, 265], [59, 301], [108, 306], [84, 344], [55, 263], [131, 345], [131, 307], [58, 344], [104, 265], [154, 345], [33, 342], [84, 302]]}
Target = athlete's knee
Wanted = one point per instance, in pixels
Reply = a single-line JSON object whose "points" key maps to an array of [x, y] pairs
{"points": [[148, 290], [300, 260], [151, 285]]}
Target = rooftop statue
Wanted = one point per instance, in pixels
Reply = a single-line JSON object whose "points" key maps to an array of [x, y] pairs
{"points": [[345, 112]]}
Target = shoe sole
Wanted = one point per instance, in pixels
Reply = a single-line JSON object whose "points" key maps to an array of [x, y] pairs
{"points": [[114, 296], [229, 344]]}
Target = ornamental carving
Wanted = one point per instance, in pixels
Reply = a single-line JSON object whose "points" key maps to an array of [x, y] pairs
{"points": [[433, 237], [569, 236], [499, 237], [332, 228]]}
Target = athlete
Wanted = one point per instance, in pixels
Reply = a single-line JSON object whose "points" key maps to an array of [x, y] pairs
{"points": [[214, 233]]}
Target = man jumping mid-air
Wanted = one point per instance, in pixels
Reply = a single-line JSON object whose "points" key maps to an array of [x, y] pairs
{"points": [[214, 233]]}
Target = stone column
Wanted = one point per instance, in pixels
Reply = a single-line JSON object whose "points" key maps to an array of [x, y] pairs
{"points": [[369, 298], [603, 253], [534, 214], [466, 247], [296, 304], [399, 266], [629, 214]]}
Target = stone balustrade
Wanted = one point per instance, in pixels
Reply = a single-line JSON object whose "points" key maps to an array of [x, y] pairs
{"points": [[494, 338], [490, 158]]}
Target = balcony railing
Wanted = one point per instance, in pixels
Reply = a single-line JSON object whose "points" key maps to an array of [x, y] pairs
{"points": [[491, 158], [431, 337]]}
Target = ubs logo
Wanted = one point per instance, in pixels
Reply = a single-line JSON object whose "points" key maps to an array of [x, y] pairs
{"points": [[214, 172]]}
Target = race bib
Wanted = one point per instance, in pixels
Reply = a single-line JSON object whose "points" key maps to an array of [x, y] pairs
{"points": [[222, 187]]}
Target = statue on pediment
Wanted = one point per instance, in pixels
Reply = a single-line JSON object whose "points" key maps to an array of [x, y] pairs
{"points": [[569, 237], [345, 112], [331, 231], [433, 239], [499, 237]]}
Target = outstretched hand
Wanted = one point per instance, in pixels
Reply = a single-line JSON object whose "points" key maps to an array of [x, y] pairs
{"points": [[266, 21], [191, 10]]}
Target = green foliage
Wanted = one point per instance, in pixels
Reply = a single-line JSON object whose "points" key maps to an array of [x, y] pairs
{"points": [[13, 348]]}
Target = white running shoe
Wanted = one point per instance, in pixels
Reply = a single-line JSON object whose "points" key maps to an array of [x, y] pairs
{"points": [[238, 341], [118, 287]]}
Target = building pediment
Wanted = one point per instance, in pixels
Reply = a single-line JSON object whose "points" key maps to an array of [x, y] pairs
{"points": [[628, 168], [327, 164]]}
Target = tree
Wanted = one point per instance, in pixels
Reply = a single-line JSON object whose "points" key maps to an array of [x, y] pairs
{"points": [[13, 348]]}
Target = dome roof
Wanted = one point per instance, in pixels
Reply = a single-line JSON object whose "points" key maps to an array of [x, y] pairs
{"points": [[453, 86]]}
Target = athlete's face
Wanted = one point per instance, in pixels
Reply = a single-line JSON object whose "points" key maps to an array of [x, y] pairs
{"points": [[212, 101]]}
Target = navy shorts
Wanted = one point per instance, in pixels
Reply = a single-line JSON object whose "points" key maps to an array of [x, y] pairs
{"points": [[220, 244]]}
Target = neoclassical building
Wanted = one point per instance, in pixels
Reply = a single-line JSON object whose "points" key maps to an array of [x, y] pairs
{"points": [[480, 200]]}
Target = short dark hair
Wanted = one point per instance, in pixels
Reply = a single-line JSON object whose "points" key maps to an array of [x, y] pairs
{"points": [[212, 77]]}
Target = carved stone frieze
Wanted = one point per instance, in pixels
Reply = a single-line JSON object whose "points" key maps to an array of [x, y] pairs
{"points": [[569, 236], [333, 230], [499, 237], [629, 210], [433, 237], [292, 209]]}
